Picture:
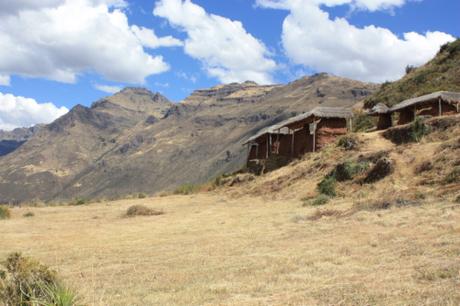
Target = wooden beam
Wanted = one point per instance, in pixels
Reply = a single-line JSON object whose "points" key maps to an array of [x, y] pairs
{"points": [[440, 106], [268, 145], [292, 143]]}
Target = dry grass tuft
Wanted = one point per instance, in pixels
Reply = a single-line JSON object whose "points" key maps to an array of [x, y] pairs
{"points": [[318, 214], [27, 282], [5, 212], [141, 210], [28, 214]]}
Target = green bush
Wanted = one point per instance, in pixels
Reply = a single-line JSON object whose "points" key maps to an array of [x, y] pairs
{"points": [[349, 169], [327, 186], [25, 282], [5, 212], [419, 129], [141, 196], [348, 142], [186, 189], [321, 199], [363, 123]]}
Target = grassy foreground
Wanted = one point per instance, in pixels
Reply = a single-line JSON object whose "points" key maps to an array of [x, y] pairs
{"points": [[211, 249]]}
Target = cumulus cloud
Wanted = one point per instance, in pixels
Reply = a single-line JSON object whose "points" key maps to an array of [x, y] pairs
{"points": [[311, 38], [24, 112], [60, 39], [149, 39], [225, 48], [107, 88]]}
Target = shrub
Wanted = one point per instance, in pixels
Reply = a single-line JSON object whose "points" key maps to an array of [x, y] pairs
{"points": [[28, 214], [5, 212], [141, 196], [79, 201], [362, 123], [349, 169], [383, 167], [27, 282], [186, 189], [410, 68], [419, 129], [327, 186], [348, 142], [321, 199], [141, 210]]}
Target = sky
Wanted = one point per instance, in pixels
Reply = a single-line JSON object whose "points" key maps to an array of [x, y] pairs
{"points": [[55, 54]]}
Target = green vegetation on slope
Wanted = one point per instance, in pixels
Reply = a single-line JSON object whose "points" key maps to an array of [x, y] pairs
{"points": [[441, 73]]}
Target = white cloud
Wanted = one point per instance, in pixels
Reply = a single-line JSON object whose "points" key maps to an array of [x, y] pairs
{"points": [[149, 39], [4, 80], [371, 5], [225, 48], [16, 6], [24, 112], [107, 88], [311, 38], [60, 39]]}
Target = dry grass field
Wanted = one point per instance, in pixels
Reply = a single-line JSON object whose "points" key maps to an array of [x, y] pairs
{"points": [[211, 249]]}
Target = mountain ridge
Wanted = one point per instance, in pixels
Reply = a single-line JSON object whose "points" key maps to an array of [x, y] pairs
{"points": [[137, 141]]}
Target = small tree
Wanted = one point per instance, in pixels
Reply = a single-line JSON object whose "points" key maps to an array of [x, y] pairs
{"points": [[410, 68]]}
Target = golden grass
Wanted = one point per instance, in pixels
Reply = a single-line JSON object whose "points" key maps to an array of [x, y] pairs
{"points": [[209, 249]]}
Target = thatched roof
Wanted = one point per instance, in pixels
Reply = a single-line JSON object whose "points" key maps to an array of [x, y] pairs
{"points": [[320, 112], [447, 96], [378, 109], [274, 129]]}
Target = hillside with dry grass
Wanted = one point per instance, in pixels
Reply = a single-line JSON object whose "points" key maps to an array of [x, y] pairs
{"points": [[383, 230], [440, 74]]}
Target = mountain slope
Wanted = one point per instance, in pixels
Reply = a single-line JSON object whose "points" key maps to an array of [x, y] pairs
{"points": [[11, 140], [441, 73], [124, 145], [58, 152]]}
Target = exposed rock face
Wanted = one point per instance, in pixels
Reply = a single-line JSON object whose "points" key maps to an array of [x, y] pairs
{"points": [[138, 142]]}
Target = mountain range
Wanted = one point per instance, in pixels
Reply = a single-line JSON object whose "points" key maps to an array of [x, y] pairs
{"points": [[137, 141]]}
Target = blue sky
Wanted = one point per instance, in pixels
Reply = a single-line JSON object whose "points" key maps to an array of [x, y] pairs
{"points": [[277, 41]]}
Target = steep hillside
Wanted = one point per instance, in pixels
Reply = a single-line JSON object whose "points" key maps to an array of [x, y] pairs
{"points": [[58, 152], [441, 73], [11, 140], [123, 145], [379, 172]]}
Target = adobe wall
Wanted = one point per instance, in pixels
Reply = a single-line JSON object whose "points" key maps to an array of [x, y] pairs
{"points": [[329, 130]]}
